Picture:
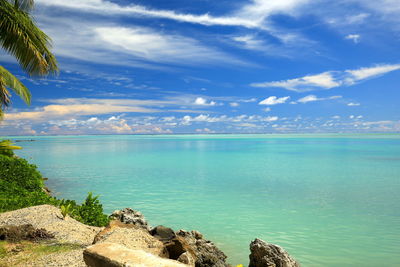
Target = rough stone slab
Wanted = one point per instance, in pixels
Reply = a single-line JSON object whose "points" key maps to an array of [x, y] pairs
{"points": [[115, 255], [131, 237]]}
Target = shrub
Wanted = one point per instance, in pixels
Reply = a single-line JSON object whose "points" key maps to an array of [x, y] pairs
{"points": [[13, 197], [21, 173], [91, 212], [21, 186]]}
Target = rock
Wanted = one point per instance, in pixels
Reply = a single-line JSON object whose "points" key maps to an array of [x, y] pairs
{"points": [[187, 258], [203, 252], [18, 233], [197, 234], [130, 216], [264, 254], [163, 233], [49, 218], [132, 237], [115, 255]]}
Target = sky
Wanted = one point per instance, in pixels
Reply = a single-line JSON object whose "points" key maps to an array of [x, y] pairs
{"points": [[205, 66]]}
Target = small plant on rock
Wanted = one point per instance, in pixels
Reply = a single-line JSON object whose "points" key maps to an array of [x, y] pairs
{"points": [[66, 209]]}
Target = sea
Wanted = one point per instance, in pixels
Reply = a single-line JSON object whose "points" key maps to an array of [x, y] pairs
{"points": [[328, 199]]}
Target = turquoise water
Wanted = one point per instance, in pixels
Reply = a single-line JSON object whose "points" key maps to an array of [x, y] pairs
{"points": [[330, 200]]}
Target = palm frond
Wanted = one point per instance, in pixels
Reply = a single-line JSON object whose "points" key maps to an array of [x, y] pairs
{"points": [[8, 144], [20, 36], [7, 80], [26, 5], [7, 147]]}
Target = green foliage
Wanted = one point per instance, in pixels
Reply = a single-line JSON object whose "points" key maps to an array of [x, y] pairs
{"points": [[91, 211], [21, 186], [7, 147], [13, 196], [20, 172]]}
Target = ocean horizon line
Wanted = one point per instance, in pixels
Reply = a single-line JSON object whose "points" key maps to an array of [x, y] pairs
{"points": [[211, 134]]}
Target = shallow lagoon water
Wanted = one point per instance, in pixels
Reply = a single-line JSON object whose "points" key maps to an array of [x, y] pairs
{"points": [[330, 200]]}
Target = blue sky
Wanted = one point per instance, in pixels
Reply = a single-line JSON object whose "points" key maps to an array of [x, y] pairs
{"points": [[202, 66]]}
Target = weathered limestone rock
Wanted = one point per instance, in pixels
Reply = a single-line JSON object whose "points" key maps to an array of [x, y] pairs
{"points": [[132, 237], [264, 254], [163, 233], [130, 216], [203, 252], [115, 255]]}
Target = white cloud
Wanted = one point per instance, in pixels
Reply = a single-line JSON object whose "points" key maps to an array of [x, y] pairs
{"points": [[330, 79], [313, 98], [200, 101], [154, 46], [202, 118], [354, 37], [250, 42], [111, 9], [273, 100], [108, 43], [356, 19], [249, 100], [251, 15], [259, 10], [267, 109], [234, 104], [306, 83], [270, 118], [371, 72], [111, 125], [352, 104], [204, 130], [75, 107]]}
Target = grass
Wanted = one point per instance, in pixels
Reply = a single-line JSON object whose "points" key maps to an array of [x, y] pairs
{"points": [[3, 250], [17, 254]]}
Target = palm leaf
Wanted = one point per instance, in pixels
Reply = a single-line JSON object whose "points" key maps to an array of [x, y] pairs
{"points": [[8, 144], [26, 5], [20, 36], [12, 82], [7, 147], [9, 81]]}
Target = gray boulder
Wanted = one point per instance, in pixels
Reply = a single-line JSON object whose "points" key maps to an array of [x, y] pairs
{"points": [[130, 216], [203, 252], [163, 233], [263, 254]]}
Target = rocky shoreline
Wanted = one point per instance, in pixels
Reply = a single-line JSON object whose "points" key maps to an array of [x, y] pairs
{"points": [[128, 241]]}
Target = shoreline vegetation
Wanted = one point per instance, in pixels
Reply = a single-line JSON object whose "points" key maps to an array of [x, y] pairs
{"points": [[36, 226]]}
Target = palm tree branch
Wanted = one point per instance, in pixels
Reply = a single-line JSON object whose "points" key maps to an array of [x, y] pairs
{"points": [[7, 80], [22, 38], [25, 5]]}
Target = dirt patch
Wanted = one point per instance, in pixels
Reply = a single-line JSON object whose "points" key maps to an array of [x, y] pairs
{"points": [[18, 233]]}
